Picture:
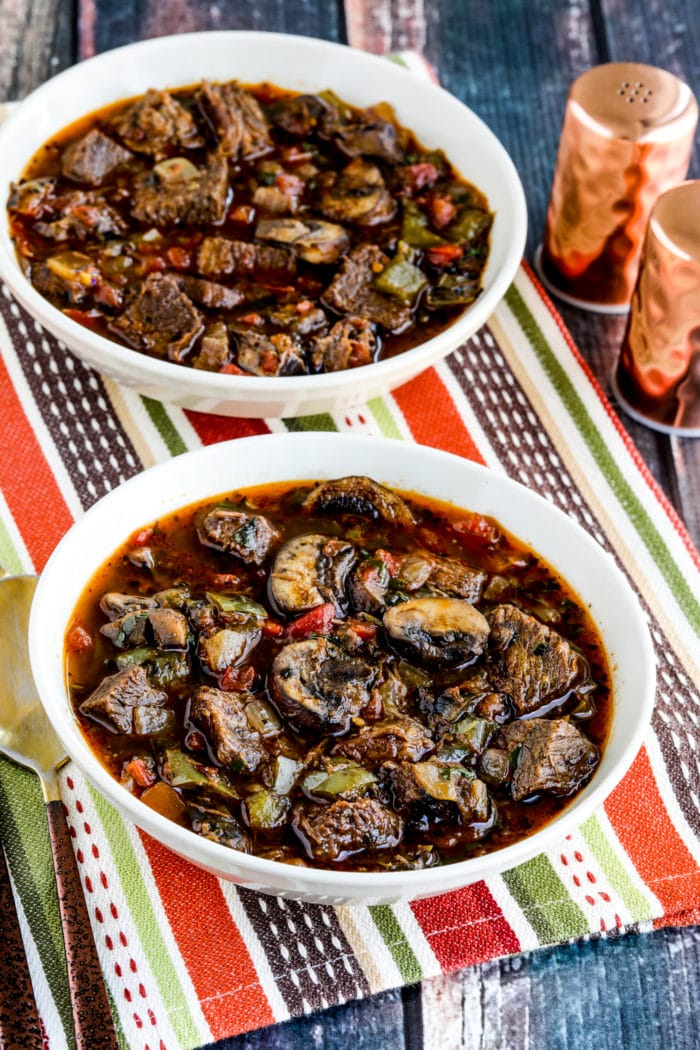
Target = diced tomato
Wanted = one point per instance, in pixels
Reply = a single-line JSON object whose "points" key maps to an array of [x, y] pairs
{"points": [[360, 354], [303, 306], [291, 186], [194, 741], [244, 213], [315, 621], [232, 370], [178, 257], [251, 319], [108, 295], [138, 769], [420, 175], [444, 254], [270, 363], [364, 630], [79, 639], [151, 264], [142, 537], [374, 710], [476, 529], [84, 317], [237, 679], [225, 579], [442, 209], [392, 563], [272, 628]]}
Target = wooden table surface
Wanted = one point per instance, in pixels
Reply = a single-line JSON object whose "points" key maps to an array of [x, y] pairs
{"points": [[512, 62]]}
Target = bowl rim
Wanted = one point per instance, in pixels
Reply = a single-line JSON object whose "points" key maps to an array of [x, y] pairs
{"points": [[268, 875], [210, 384]]}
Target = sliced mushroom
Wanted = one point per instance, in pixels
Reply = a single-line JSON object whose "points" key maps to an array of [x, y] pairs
{"points": [[443, 574], [170, 628], [310, 570], [443, 631], [117, 605], [317, 686], [248, 536], [357, 494], [313, 240], [358, 195]]}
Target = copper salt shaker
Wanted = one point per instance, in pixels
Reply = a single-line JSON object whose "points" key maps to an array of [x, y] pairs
{"points": [[627, 136], [657, 379]]}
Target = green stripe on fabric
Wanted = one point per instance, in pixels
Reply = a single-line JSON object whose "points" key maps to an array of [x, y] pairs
{"points": [[382, 413], [165, 427], [638, 905], [323, 421], [9, 558], [25, 836], [154, 945], [396, 941], [600, 452], [540, 894]]}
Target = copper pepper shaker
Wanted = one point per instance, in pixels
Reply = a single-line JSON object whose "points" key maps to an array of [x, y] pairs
{"points": [[657, 378], [627, 137]]}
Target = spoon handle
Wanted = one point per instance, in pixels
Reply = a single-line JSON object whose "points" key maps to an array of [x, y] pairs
{"points": [[92, 1017], [20, 1027]]}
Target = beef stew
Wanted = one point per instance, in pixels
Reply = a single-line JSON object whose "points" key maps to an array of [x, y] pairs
{"points": [[338, 674]]}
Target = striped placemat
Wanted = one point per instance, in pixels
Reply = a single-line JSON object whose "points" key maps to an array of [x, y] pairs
{"points": [[188, 959]]}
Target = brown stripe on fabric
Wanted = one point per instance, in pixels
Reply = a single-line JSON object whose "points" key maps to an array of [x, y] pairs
{"points": [[311, 960], [524, 447], [71, 399]]}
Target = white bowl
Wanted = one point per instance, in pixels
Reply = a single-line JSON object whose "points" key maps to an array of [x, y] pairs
{"points": [[438, 119], [251, 461]]}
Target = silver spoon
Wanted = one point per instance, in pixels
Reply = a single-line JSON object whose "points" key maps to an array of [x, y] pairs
{"points": [[27, 738]]}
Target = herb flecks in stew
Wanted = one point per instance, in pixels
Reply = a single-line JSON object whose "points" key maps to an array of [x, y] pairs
{"points": [[250, 230], [339, 675]]}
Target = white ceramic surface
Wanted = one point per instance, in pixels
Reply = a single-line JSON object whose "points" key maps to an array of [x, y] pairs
{"points": [[251, 461], [298, 63]]}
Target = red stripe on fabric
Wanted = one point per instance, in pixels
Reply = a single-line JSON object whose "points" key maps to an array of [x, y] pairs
{"points": [[215, 954], [641, 821], [640, 464], [212, 429], [28, 502], [432, 415], [465, 927]]}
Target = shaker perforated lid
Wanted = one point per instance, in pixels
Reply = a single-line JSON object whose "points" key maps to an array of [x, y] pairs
{"points": [[626, 138], [629, 100]]}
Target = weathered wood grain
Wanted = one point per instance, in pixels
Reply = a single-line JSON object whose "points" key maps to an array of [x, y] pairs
{"points": [[105, 24], [399, 25], [36, 41]]}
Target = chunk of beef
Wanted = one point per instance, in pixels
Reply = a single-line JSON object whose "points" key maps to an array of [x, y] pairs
{"points": [[400, 739], [299, 116], [93, 157], [117, 696], [209, 294], [374, 138], [358, 494], [222, 717], [33, 198], [528, 660], [357, 195], [218, 256], [551, 755], [319, 687], [247, 536], [332, 833], [160, 319], [442, 574], [438, 792], [237, 119], [350, 343], [275, 355], [214, 351], [198, 198], [84, 214], [351, 292], [157, 123]]}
